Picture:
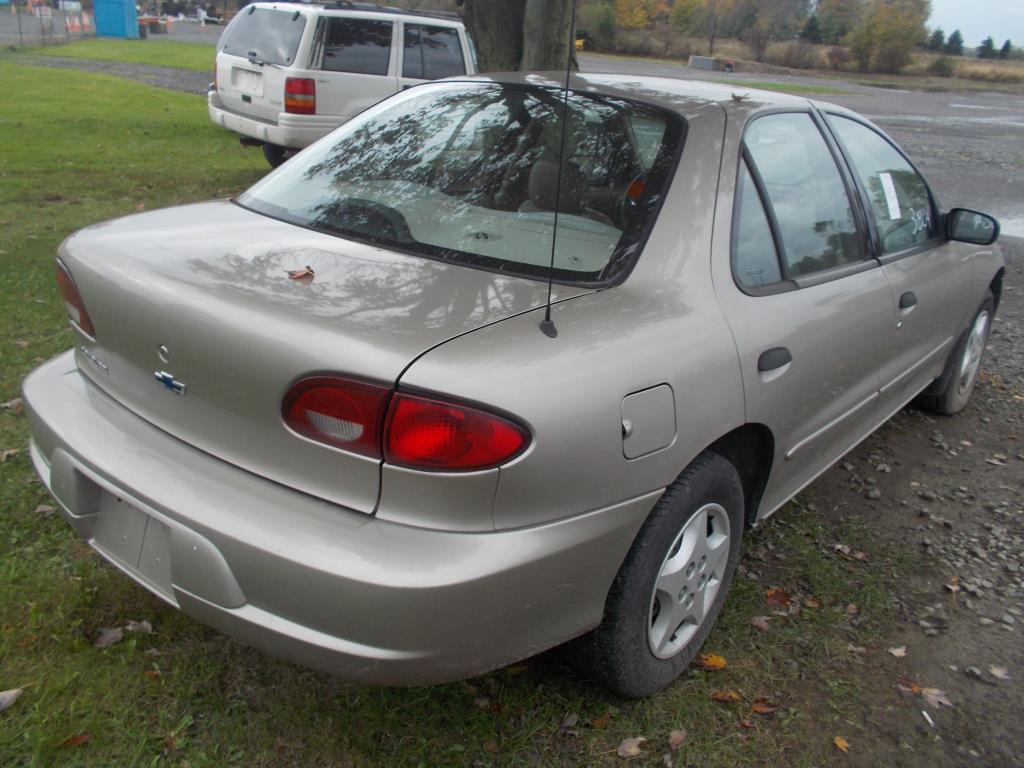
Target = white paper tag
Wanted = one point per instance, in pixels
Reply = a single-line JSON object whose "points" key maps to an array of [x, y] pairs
{"points": [[890, 195]]}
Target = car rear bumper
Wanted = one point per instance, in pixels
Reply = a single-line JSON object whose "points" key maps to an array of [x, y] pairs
{"points": [[293, 131], [302, 578]]}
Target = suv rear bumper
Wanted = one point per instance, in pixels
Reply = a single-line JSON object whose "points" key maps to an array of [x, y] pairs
{"points": [[302, 578], [292, 131]]}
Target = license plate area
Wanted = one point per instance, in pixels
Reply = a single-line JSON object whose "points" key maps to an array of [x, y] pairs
{"points": [[138, 543], [246, 81]]}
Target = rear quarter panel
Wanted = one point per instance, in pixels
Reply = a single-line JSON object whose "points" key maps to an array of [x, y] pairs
{"points": [[662, 325]]}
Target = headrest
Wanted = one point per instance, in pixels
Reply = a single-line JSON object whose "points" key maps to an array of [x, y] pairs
{"points": [[544, 183]]}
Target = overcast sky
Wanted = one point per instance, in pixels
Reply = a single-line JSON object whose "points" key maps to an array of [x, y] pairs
{"points": [[977, 19]]}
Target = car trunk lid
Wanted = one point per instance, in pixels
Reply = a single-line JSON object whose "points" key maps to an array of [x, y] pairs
{"points": [[202, 330]]}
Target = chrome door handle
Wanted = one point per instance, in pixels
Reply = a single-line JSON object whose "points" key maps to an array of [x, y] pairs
{"points": [[773, 359]]}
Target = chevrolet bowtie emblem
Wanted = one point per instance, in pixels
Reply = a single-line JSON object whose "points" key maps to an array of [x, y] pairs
{"points": [[169, 382]]}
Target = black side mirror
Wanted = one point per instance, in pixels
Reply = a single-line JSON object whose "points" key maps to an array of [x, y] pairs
{"points": [[971, 227]]}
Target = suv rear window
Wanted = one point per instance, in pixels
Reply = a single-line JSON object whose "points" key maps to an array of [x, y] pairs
{"points": [[264, 34], [468, 173], [432, 52], [362, 46]]}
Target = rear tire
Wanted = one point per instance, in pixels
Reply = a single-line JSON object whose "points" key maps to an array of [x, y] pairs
{"points": [[672, 584], [953, 390], [275, 155]]}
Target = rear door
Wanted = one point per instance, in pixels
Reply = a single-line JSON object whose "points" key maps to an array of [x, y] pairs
{"points": [[809, 308], [430, 52], [357, 64], [927, 274], [258, 50]]}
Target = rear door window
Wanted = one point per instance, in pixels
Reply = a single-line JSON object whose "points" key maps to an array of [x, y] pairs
{"points": [[432, 52], [266, 35], [360, 46], [805, 192], [898, 196]]}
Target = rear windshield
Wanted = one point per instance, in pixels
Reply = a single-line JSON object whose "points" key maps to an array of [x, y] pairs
{"points": [[469, 173], [264, 34]]}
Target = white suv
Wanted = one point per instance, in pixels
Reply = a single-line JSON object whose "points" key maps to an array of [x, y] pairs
{"points": [[288, 73]]}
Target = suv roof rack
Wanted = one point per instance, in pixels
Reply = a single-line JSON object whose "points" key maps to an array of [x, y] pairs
{"points": [[347, 5]]}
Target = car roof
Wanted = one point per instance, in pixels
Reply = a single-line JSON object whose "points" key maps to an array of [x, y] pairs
{"points": [[684, 96], [364, 11]]}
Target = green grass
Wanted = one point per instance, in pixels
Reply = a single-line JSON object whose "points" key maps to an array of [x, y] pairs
{"points": [[163, 53], [84, 147], [787, 87]]}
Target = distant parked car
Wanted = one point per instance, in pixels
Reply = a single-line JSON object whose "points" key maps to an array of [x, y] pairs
{"points": [[287, 74], [325, 417]]}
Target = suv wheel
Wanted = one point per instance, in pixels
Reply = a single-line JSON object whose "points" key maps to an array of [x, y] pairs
{"points": [[275, 155], [672, 584]]}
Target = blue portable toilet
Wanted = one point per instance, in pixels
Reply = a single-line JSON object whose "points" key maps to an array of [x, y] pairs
{"points": [[116, 18]]}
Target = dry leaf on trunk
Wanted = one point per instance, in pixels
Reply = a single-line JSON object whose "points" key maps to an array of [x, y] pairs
{"points": [[631, 747], [712, 661], [7, 698]]}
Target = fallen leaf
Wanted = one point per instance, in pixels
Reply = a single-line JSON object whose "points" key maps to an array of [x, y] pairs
{"points": [[1000, 673], [108, 636], [603, 721], [857, 649], [492, 747], [515, 669], [306, 273], [667, 761], [725, 697], [842, 550], [676, 739], [77, 740], [15, 406], [712, 661], [140, 206], [996, 462], [152, 674], [777, 597], [482, 703], [631, 747], [810, 602], [935, 697], [841, 744], [852, 609], [7, 698], [20, 344], [8, 453], [142, 627], [764, 707], [45, 510], [747, 723], [899, 651], [569, 720], [761, 622]]}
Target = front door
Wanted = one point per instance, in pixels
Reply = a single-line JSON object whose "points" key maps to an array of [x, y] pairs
{"points": [[926, 273]]}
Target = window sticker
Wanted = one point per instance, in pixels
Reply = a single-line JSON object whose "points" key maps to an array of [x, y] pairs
{"points": [[890, 195]]}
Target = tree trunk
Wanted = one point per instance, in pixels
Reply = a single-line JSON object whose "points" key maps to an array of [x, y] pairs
{"points": [[520, 34], [546, 34], [497, 28]]}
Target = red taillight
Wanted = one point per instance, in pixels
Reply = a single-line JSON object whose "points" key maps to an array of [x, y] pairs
{"points": [[423, 433], [340, 412], [73, 301], [300, 95]]}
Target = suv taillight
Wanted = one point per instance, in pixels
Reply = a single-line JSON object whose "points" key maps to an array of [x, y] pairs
{"points": [[407, 430], [300, 95], [73, 301]]}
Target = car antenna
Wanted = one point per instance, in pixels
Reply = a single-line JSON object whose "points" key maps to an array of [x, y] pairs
{"points": [[547, 325]]}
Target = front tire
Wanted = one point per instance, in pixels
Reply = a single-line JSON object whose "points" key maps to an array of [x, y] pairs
{"points": [[672, 584], [275, 155], [961, 372]]}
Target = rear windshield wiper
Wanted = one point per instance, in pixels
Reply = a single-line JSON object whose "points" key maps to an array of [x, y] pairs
{"points": [[256, 61]]}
